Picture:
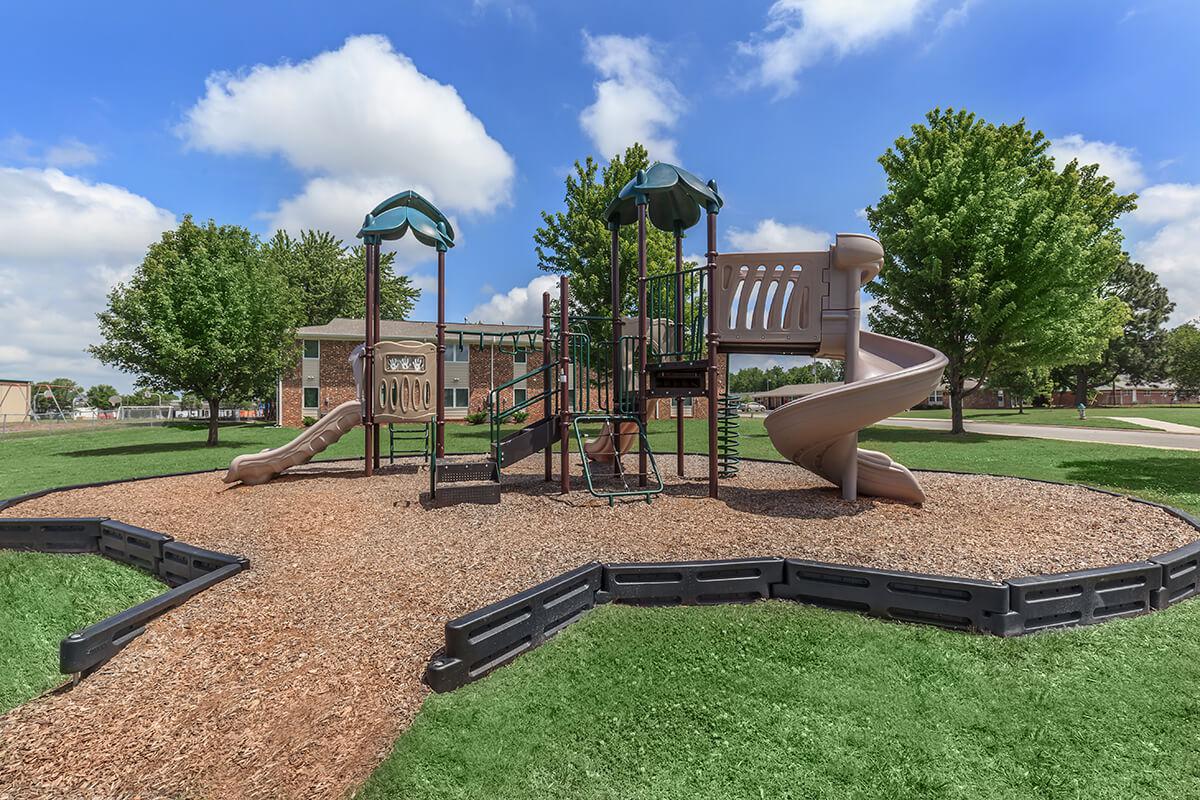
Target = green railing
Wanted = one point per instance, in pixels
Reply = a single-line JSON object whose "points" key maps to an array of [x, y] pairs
{"points": [[681, 298], [529, 336], [497, 415]]}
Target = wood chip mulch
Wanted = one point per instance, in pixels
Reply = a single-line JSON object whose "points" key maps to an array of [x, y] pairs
{"points": [[292, 680]]}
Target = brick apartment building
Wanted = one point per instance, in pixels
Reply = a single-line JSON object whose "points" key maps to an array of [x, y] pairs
{"points": [[323, 378]]}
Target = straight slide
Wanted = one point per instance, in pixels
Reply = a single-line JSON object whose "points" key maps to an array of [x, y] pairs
{"points": [[814, 431], [256, 468]]}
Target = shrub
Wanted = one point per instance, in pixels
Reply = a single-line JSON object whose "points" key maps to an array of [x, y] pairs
{"points": [[309, 421], [520, 416], [476, 417]]}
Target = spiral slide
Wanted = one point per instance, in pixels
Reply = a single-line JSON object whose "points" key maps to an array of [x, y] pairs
{"points": [[814, 431], [256, 468]]}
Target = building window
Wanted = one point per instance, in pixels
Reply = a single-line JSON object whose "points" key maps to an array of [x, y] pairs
{"points": [[519, 396], [312, 397], [520, 357], [312, 348], [457, 398], [458, 353], [935, 398]]}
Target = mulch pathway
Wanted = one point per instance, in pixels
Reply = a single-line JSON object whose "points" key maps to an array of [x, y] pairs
{"points": [[293, 679]]}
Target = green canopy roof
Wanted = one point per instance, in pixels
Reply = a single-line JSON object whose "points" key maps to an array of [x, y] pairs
{"points": [[676, 198], [407, 211]]}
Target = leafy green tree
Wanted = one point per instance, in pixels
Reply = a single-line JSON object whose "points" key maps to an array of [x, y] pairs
{"points": [[1021, 384], [63, 391], [993, 256], [576, 241], [749, 379], [1140, 352], [754, 379], [98, 396], [142, 396], [203, 313], [330, 280], [1183, 358]]}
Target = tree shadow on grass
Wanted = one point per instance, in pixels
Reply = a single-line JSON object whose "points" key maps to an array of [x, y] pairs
{"points": [[883, 436], [158, 447], [1160, 473]]}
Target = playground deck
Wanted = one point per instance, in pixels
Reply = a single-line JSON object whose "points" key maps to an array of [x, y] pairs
{"points": [[293, 679]]}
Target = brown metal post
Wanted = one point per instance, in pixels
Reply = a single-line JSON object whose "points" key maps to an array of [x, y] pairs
{"points": [[547, 388], [564, 400], [711, 259], [614, 272], [377, 338], [643, 463], [441, 353], [679, 345], [369, 360]]}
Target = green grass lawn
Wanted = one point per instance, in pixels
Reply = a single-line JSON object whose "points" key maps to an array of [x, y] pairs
{"points": [[775, 700], [44, 597], [1096, 417]]}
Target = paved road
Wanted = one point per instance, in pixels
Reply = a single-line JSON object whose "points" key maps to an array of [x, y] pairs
{"points": [[1166, 441]]}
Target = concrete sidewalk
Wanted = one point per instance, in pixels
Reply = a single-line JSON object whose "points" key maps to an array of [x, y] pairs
{"points": [[1162, 440], [1169, 427]]}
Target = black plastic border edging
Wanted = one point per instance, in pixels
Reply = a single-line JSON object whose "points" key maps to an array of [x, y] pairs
{"points": [[484, 640], [188, 570]]}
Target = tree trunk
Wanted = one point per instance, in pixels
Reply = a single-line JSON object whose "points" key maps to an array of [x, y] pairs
{"points": [[1081, 386], [214, 407], [956, 401]]}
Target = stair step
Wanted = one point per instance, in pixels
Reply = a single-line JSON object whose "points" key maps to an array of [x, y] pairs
{"points": [[476, 493], [460, 471], [677, 379], [533, 438]]}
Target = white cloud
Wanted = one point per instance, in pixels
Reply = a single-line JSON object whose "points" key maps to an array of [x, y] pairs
{"points": [[520, 305], [67, 152], [363, 122], [1170, 250], [1171, 253], [64, 242], [799, 33], [770, 236], [1117, 162], [70, 153], [634, 103], [1168, 202], [512, 10]]}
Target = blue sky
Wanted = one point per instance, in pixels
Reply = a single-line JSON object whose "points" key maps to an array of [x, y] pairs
{"points": [[119, 118]]}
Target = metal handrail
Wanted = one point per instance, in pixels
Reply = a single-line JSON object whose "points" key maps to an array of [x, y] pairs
{"points": [[496, 418]]}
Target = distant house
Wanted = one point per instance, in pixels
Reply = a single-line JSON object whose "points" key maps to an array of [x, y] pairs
{"points": [[774, 398], [15, 399]]}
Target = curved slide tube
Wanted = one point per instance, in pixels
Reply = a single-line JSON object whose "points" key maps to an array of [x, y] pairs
{"points": [[601, 448], [256, 468], [813, 431]]}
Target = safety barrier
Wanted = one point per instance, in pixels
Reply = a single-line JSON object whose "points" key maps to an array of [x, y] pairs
{"points": [[189, 570], [483, 640]]}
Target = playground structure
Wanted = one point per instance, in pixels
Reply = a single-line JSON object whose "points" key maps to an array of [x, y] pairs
{"points": [[594, 372]]}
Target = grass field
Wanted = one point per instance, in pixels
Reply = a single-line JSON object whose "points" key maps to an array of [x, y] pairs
{"points": [[1171, 476], [776, 700], [1096, 417], [44, 597]]}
